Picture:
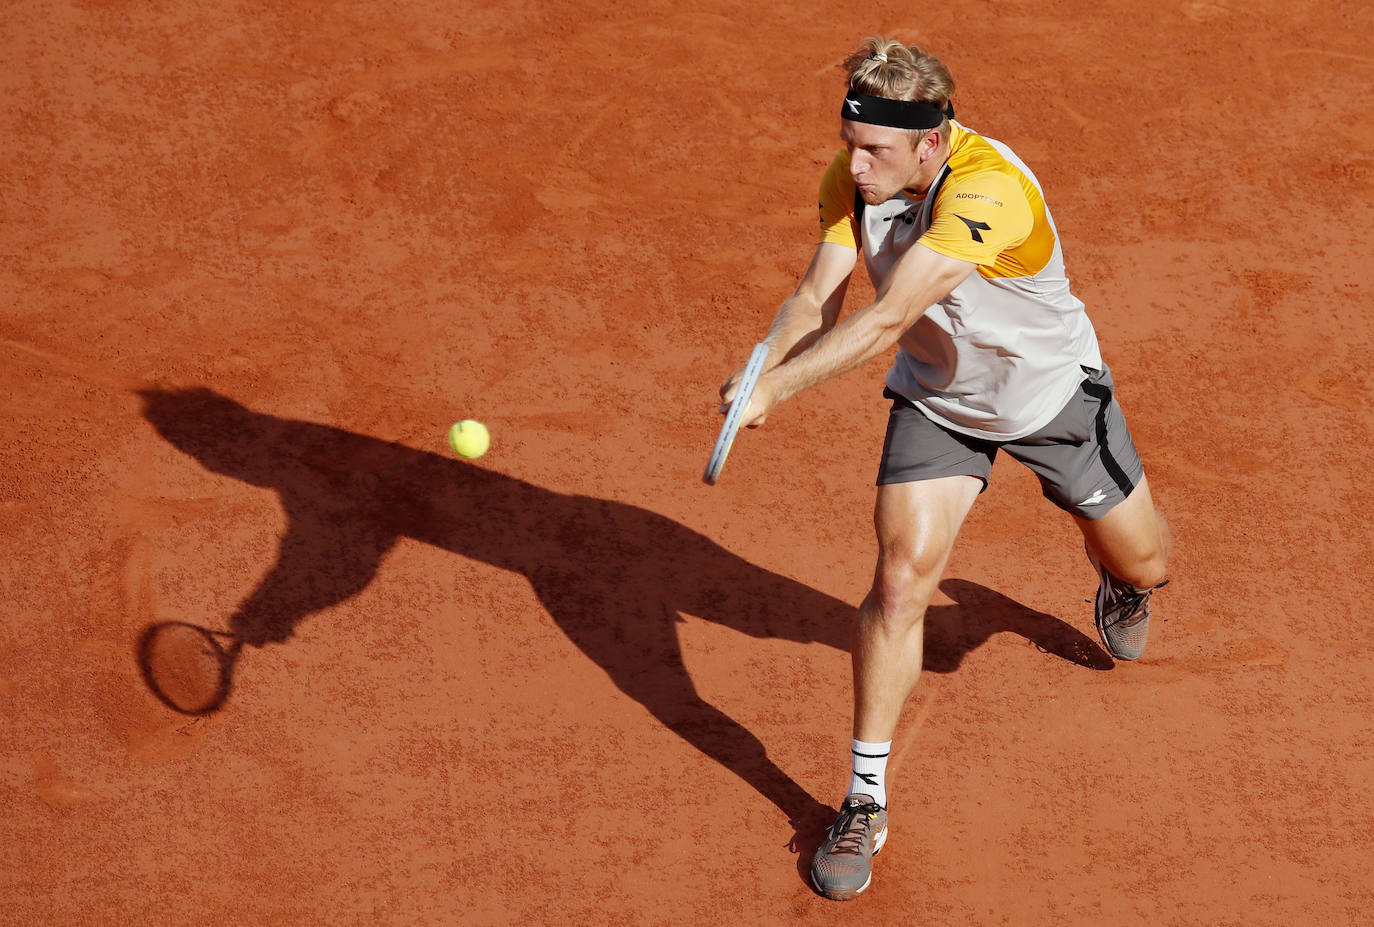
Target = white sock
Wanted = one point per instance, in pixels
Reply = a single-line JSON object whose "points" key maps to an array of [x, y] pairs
{"points": [[870, 769]]}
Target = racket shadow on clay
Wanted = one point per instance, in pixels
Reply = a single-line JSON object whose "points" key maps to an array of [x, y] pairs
{"points": [[189, 668], [618, 580]]}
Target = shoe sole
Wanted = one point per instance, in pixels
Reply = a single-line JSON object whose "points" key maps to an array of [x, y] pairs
{"points": [[878, 842]]}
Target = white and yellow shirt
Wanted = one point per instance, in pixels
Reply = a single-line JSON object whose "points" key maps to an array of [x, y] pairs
{"points": [[1001, 355]]}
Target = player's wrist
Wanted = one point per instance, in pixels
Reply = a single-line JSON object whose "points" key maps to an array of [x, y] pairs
{"points": [[779, 384]]}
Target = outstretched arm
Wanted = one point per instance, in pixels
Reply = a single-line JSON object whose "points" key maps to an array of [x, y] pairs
{"points": [[920, 279]]}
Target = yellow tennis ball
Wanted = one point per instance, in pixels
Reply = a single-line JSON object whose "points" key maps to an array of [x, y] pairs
{"points": [[469, 439]]}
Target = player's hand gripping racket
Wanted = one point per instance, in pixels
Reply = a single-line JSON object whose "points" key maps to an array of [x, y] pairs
{"points": [[752, 370]]}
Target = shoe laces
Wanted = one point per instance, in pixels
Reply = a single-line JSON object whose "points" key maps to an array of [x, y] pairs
{"points": [[1130, 600], [850, 838]]}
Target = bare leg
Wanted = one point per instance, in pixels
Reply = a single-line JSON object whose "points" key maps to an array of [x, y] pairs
{"points": [[1132, 540], [917, 524]]}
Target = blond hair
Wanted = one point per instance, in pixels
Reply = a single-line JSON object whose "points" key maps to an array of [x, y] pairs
{"points": [[886, 68]]}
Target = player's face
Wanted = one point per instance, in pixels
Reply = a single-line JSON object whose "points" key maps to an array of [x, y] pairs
{"points": [[881, 159]]}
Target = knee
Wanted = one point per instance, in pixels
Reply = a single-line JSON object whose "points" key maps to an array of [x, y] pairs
{"points": [[903, 586]]}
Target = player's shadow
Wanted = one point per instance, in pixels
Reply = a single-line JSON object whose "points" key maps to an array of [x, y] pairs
{"points": [[614, 577]]}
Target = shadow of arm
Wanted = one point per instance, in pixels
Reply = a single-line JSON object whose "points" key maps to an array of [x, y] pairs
{"points": [[325, 558]]}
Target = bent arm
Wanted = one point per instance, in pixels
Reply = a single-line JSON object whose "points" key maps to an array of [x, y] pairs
{"points": [[919, 279]]}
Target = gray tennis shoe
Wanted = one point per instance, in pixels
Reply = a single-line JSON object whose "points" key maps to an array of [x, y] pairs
{"points": [[1122, 614], [843, 867]]}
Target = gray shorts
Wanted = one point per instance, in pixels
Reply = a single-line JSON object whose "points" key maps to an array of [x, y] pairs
{"points": [[1085, 458]]}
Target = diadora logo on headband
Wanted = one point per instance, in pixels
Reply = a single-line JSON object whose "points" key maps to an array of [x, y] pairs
{"points": [[896, 114]]}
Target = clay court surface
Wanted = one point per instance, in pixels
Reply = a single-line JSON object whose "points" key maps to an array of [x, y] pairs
{"points": [[256, 257]]}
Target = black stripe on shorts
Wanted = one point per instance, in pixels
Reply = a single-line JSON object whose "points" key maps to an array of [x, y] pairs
{"points": [[1103, 395]]}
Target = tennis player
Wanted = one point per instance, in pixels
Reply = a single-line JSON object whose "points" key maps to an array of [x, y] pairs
{"points": [[993, 352]]}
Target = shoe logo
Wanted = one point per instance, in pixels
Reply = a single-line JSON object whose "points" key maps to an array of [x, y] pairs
{"points": [[1095, 498], [853, 106], [973, 227], [870, 778]]}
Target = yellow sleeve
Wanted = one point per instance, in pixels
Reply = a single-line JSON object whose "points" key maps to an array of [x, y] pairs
{"points": [[978, 217], [837, 204]]}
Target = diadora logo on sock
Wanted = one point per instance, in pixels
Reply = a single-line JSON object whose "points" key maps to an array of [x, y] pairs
{"points": [[868, 777]]}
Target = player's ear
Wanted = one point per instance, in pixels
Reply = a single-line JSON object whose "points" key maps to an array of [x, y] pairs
{"points": [[922, 146], [929, 143]]}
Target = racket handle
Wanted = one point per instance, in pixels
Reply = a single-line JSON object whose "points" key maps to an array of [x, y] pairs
{"points": [[738, 405]]}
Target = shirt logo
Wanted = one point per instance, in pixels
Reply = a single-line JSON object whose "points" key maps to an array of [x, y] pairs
{"points": [[978, 196], [853, 106], [973, 227]]}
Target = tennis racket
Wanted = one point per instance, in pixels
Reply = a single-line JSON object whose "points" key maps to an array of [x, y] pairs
{"points": [[730, 428]]}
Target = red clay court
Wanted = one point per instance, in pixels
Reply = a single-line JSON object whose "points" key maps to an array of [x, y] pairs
{"points": [[256, 257]]}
